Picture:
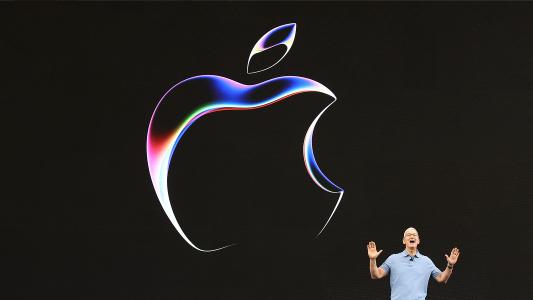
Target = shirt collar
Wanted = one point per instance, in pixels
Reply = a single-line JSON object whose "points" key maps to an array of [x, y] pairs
{"points": [[417, 254]]}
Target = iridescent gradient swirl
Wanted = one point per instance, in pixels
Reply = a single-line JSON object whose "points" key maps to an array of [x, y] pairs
{"points": [[219, 93], [267, 41]]}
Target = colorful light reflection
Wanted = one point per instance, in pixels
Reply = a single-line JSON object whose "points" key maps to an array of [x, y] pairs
{"points": [[225, 94], [266, 42]]}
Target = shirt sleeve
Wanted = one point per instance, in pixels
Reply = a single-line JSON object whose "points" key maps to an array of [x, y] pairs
{"points": [[387, 264], [434, 270]]}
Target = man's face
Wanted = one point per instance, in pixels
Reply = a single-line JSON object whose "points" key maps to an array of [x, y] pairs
{"points": [[410, 238]]}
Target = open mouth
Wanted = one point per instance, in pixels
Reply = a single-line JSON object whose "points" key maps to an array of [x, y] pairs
{"points": [[412, 241]]}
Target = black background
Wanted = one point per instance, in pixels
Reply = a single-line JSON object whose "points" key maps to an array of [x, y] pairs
{"points": [[432, 129]]}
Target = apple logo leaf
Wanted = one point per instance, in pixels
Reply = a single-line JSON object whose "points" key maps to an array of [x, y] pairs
{"points": [[271, 42]]}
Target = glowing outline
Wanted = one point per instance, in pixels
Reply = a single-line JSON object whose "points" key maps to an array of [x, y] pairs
{"points": [[159, 160], [260, 45]]}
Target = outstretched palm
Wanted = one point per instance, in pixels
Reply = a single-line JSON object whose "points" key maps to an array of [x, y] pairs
{"points": [[373, 253], [454, 255]]}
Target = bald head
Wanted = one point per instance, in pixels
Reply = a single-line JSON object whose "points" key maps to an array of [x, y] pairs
{"points": [[411, 238]]}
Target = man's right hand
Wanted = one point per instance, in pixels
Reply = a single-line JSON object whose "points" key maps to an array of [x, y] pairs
{"points": [[373, 253]]}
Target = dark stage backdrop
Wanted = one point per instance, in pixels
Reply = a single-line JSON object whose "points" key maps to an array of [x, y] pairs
{"points": [[432, 129]]}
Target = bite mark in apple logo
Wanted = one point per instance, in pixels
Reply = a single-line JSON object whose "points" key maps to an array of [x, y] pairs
{"points": [[217, 94]]}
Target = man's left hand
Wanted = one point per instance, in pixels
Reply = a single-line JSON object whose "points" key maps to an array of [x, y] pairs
{"points": [[454, 255]]}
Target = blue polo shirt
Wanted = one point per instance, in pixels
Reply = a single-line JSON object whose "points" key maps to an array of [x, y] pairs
{"points": [[409, 276]]}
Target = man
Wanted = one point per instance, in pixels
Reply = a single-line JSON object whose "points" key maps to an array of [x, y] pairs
{"points": [[409, 270]]}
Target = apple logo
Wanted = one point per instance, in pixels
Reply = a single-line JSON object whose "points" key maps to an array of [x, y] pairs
{"points": [[215, 93]]}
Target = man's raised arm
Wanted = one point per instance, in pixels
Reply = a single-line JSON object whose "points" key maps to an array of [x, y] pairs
{"points": [[375, 272], [452, 260]]}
